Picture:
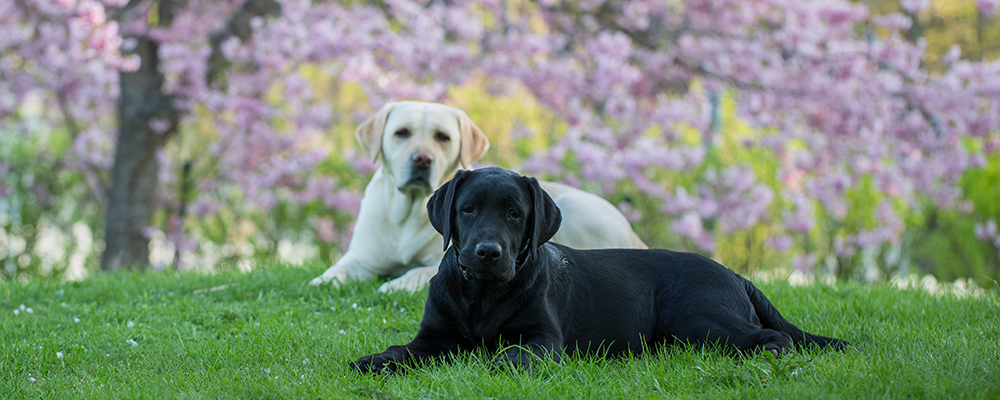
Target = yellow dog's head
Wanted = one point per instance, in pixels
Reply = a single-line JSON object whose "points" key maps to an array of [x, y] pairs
{"points": [[421, 144]]}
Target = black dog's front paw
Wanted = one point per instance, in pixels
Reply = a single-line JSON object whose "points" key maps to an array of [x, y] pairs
{"points": [[501, 364], [510, 362], [374, 363]]}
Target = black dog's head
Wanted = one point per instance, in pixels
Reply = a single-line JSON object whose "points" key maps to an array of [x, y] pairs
{"points": [[495, 218]]}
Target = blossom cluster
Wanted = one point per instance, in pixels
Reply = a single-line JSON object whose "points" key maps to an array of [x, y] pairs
{"points": [[630, 78]]}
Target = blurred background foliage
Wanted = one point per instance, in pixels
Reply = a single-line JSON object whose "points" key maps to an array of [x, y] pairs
{"points": [[45, 231], [947, 23]]}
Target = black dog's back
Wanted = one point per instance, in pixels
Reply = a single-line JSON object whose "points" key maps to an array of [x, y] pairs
{"points": [[601, 307], [678, 297]]}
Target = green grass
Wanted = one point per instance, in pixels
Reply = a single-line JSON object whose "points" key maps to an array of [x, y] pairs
{"points": [[266, 334]]}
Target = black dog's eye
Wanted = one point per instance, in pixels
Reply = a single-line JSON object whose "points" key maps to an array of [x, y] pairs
{"points": [[403, 133], [468, 210], [441, 136], [513, 214]]}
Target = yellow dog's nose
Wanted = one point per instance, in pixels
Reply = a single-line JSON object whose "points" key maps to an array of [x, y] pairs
{"points": [[422, 160]]}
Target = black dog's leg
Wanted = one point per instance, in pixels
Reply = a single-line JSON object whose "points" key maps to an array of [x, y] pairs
{"points": [[522, 355], [419, 349], [763, 339], [770, 318]]}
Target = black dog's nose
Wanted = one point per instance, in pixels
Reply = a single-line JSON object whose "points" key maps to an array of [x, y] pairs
{"points": [[488, 251], [422, 160]]}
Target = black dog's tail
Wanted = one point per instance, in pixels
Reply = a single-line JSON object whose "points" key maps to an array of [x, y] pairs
{"points": [[770, 318]]}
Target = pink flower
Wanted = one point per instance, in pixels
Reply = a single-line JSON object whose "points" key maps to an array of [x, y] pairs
{"points": [[91, 12], [986, 231], [802, 219], [895, 21], [689, 225], [521, 132], [158, 125], [988, 7], [630, 213], [804, 262], [843, 246], [779, 243], [914, 6], [326, 230]]}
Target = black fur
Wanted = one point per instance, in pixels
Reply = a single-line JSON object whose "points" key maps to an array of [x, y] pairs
{"points": [[501, 284]]}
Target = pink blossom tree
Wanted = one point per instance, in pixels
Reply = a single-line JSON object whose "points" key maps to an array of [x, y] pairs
{"points": [[840, 96]]}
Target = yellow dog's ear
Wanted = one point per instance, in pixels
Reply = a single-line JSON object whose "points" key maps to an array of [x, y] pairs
{"points": [[369, 133], [474, 142]]}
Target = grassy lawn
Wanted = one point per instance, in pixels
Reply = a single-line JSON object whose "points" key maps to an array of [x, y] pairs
{"points": [[266, 334]]}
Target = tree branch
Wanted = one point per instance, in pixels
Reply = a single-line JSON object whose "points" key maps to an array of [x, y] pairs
{"points": [[71, 124], [125, 12], [238, 26]]}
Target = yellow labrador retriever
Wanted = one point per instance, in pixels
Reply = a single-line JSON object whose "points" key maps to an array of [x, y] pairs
{"points": [[422, 145]]}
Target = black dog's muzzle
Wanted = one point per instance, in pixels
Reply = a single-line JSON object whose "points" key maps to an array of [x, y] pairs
{"points": [[489, 253]]}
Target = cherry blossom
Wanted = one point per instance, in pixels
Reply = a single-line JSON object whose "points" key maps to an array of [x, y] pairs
{"points": [[639, 83]]}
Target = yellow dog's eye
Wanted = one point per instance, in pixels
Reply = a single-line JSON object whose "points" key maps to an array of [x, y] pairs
{"points": [[403, 133], [441, 136]]}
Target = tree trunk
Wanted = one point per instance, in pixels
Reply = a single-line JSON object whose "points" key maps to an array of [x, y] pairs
{"points": [[134, 175]]}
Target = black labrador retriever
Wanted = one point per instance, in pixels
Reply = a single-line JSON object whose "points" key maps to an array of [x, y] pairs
{"points": [[501, 284]]}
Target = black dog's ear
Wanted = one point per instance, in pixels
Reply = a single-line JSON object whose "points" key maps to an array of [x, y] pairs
{"points": [[545, 216], [441, 206]]}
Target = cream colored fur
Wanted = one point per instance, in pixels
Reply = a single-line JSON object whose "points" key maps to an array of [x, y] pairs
{"points": [[392, 235]]}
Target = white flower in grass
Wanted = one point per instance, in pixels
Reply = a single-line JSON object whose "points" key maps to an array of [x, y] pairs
{"points": [[59, 354], [130, 324], [17, 312], [342, 332], [32, 379], [132, 342], [29, 310], [355, 305], [77, 320]]}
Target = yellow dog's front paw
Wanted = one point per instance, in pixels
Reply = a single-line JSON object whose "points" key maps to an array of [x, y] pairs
{"points": [[334, 276], [412, 281]]}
